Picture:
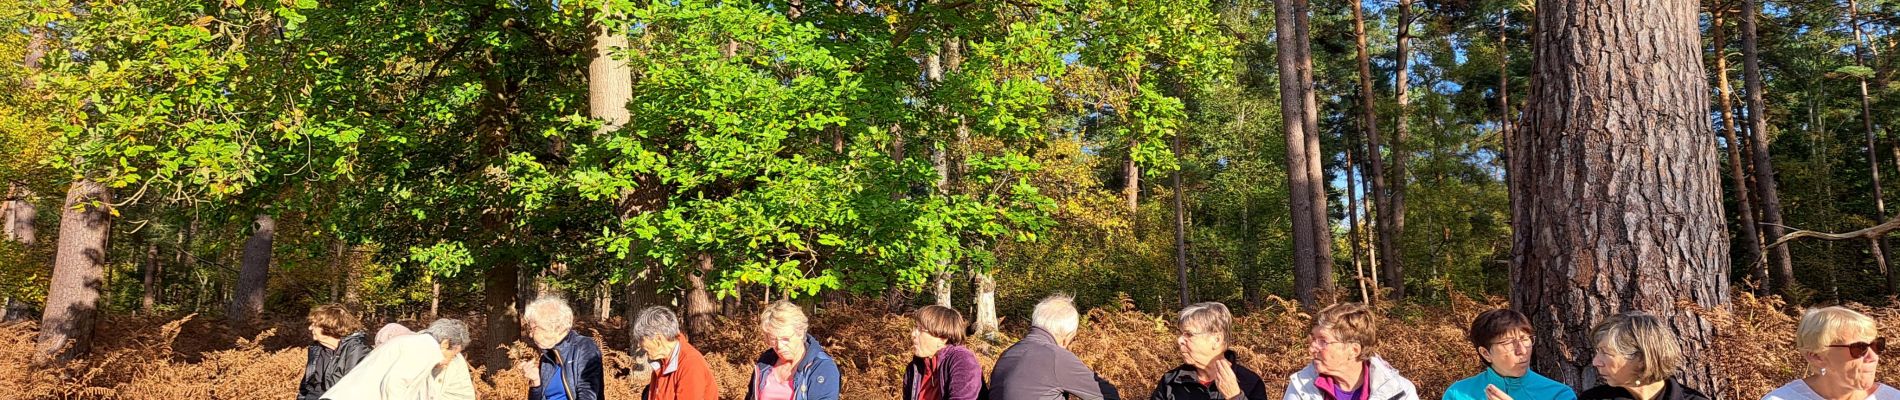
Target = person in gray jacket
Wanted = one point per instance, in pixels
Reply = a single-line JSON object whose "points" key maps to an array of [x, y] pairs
{"points": [[1040, 367]]}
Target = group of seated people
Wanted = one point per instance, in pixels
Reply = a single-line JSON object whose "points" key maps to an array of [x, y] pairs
{"points": [[1636, 355]]}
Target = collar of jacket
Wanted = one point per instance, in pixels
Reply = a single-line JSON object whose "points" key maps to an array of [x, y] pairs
{"points": [[1384, 378]]}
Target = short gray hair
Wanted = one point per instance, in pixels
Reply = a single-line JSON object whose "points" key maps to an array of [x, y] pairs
{"points": [[1057, 315], [549, 311], [449, 330], [1210, 317], [656, 321], [1643, 339]]}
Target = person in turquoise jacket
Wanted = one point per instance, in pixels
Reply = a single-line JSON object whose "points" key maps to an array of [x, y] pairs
{"points": [[1503, 340]]}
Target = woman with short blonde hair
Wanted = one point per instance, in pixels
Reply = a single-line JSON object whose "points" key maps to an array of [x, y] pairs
{"points": [[1842, 348], [794, 366]]}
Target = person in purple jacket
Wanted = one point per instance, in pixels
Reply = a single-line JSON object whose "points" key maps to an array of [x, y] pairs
{"points": [[941, 369]]}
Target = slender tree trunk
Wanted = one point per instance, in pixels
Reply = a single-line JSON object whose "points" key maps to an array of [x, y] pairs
{"points": [[1621, 208], [1180, 229], [247, 304], [1744, 203], [1873, 155], [1352, 222], [148, 301], [1392, 213], [501, 285], [72, 300], [1131, 180], [1781, 265], [699, 304], [1369, 123], [1312, 243]]}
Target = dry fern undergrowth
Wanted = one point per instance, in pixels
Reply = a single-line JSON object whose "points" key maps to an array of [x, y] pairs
{"points": [[194, 358]]}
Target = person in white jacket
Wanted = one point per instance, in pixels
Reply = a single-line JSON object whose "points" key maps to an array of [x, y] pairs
{"points": [[423, 366], [1344, 366]]}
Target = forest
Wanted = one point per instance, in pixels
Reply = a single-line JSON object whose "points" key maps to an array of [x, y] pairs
{"points": [[186, 179]]}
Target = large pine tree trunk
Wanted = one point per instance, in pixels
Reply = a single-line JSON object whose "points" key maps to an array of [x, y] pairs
{"points": [[1621, 205], [501, 285], [1392, 214], [72, 299], [1744, 198], [247, 303], [1781, 265], [1312, 239]]}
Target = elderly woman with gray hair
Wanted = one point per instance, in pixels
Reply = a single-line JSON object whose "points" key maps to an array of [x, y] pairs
{"points": [[427, 365], [682, 373], [1636, 357], [1208, 370], [1040, 367], [568, 365], [796, 366], [1842, 348]]}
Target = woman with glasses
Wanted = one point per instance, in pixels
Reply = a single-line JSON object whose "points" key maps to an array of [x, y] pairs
{"points": [[1842, 348], [1208, 370], [1344, 366], [1502, 338], [796, 366]]}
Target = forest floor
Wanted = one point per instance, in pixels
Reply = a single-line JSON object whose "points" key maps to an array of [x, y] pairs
{"points": [[199, 358]]}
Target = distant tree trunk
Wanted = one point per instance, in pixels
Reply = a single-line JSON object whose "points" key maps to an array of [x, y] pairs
{"points": [[1180, 229], [1744, 203], [72, 299], [254, 276], [1873, 155], [699, 303], [1352, 221], [20, 215], [501, 285], [1621, 206], [1392, 213], [1312, 239], [986, 322], [604, 302], [1369, 123], [148, 300], [1781, 266], [1131, 180]]}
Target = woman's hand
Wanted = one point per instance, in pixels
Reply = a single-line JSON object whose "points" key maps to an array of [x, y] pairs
{"points": [[1224, 379], [1491, 392]]}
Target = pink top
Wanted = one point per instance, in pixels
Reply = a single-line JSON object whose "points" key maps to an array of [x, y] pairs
{"points": [[775, 389]]}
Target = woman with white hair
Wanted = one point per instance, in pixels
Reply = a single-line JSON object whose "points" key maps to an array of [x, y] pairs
{"points": [[1208, 370], [1842, 348], [568, 365], [796, 366], [1040, 367]]}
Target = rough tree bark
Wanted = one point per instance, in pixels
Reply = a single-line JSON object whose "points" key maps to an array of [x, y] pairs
{"points": [[1621, 204], [1780, 264], [501, 285], [247, 303], [1312, 239], [72, 299], [1392, 212], [700, 308]]}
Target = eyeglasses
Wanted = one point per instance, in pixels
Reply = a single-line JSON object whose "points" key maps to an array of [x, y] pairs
{"points": [[1521, 341], [1859, 350], [1193, 334]]}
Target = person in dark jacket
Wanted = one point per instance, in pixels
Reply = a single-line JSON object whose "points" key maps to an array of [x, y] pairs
{"points": [[1040, 367], [568, 365], [1637, 356], [940, 367], [796, 366], [1209, 370], [340, 345]]}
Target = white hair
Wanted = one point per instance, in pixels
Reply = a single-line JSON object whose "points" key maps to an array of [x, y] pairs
{"points": [[1057, 315], [549, 311]]}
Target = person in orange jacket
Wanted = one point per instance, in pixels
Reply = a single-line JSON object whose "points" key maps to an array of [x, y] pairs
{"points": [[680, 372]]}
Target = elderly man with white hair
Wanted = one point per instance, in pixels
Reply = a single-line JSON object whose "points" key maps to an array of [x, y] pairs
{"points": [[1040, 367], [568, 367], [423, 366]]}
